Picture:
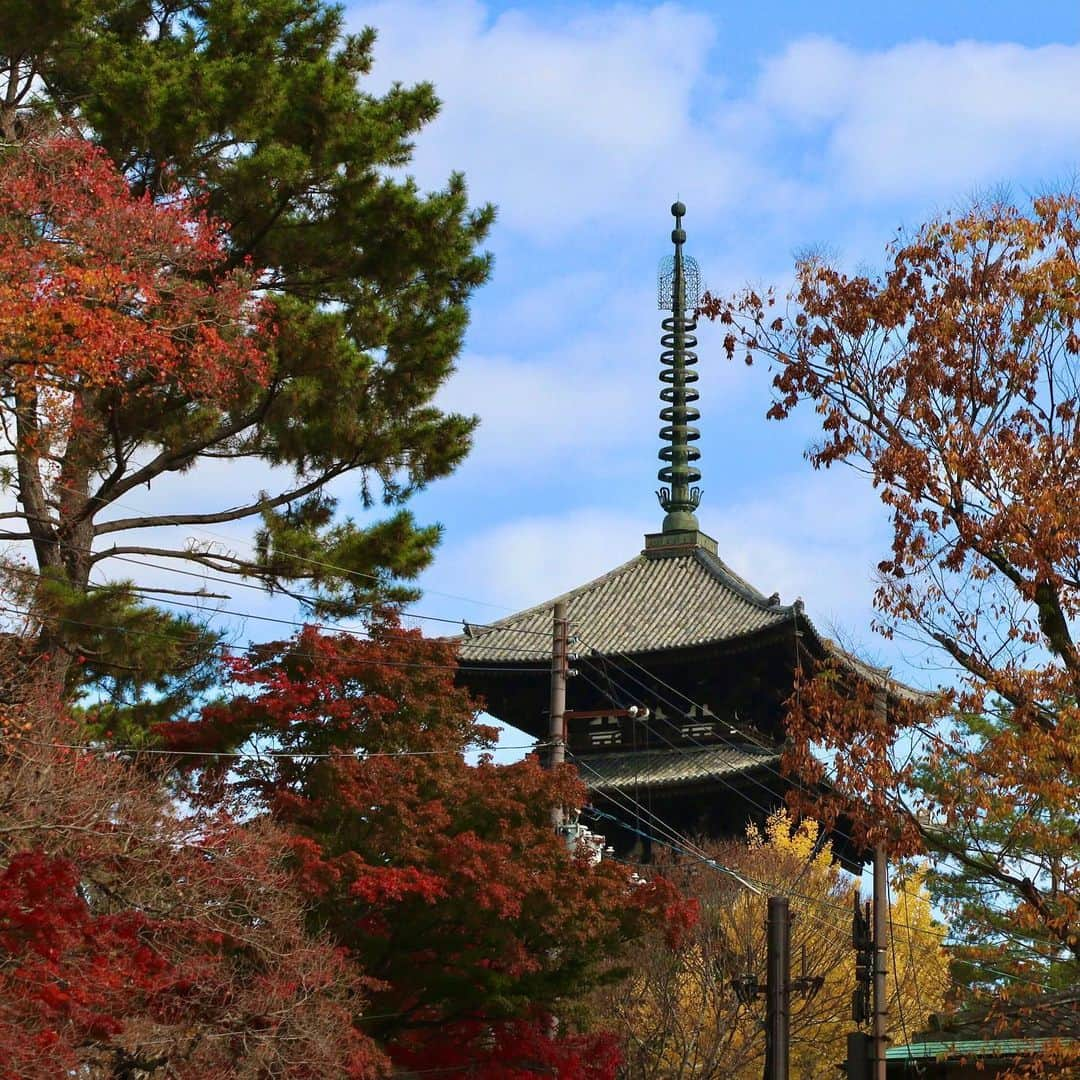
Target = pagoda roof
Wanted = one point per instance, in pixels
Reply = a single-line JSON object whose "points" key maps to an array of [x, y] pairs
{"points": [[671, 766], [677, 597], [666, 598]]}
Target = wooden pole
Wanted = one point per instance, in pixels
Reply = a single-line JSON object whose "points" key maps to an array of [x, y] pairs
{"points": [[881, 1000], [777, 989], [556, 736]]}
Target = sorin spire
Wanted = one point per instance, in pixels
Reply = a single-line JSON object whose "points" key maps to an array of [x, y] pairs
{"points": [[679, 288]]}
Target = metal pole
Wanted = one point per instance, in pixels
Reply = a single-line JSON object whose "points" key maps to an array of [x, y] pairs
{"points": [[556, 735], [881, 1000], [777, 989]]}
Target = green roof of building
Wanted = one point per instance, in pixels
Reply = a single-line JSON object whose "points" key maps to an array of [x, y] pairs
{"points": [[670, 766], [970, 1048]]}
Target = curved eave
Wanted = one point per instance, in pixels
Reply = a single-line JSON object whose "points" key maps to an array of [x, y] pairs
{"points": [[664, 657], [655, 604]]}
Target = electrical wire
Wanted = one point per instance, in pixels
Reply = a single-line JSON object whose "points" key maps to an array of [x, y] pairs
{"points": [[270, 754], [254, 649], [684, 843], [241, 584], [670, 835], [699, 746], [692, 753], [307, 560], [756, 885], [374, 577], [765, 766], [297, 624], [896, 969], [918, 929], [245, 615], [829, 905]]}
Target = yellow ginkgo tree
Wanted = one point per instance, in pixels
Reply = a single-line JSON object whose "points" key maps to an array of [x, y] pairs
{"points": [[678, 1013]]}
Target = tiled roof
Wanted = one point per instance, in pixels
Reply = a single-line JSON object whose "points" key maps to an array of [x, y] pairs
{"points": [[970, 1048], [667, 767], [1041, 1015], [655, 601]]}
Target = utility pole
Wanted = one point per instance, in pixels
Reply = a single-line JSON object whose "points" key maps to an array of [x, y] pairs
{"points": [[777, 989], [866, 1054], [881, 1000], [858, 1065], [556, 718]]}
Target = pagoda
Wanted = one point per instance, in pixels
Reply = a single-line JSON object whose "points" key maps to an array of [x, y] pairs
{"points": [[680, 668]]}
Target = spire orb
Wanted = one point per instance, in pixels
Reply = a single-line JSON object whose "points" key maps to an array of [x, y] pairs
{"points": [[678, 209]]}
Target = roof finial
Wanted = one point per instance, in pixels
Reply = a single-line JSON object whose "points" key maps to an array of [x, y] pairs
{"points": [[679, 288]]}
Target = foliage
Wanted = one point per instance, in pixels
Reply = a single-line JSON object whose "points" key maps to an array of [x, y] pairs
{"points": [[444, 881], [678, 1014], [951, 380], [514, 1050], [134, 942], [253, 109], [103, 311]]}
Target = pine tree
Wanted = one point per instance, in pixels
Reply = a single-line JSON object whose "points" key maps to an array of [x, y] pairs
{"points": [[254, 108]]}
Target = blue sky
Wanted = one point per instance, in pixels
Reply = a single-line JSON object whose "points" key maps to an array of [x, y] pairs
{"points": [[783, 126]]}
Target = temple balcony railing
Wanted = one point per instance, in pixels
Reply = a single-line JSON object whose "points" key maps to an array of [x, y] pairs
{"points": [[597, 734]]}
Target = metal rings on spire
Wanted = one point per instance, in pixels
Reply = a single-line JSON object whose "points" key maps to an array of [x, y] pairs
{"points": [[679, 288]]}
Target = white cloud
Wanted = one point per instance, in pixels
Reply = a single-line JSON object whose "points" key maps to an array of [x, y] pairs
{"points": [[561, 124], [814, 536], [583, 394], [538, 415], [923, 118], [602, 117], [527, 560]]}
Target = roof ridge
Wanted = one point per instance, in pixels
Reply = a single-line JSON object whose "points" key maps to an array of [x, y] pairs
{"points": [[720, 569], [482, 629], [645, 604]]}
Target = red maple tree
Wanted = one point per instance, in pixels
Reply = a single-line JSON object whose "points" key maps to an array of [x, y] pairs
{"points": [[102, 290], [135, 939], [118, 314], [444, 881]]}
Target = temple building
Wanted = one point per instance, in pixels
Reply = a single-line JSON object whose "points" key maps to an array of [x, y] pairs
{"points": [[680, 669]]}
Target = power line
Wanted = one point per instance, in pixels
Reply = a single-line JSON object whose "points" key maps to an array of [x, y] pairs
{"points": [[896, 967], [244, 615], [685, 844], [254, 649], [764, 765], [296, 624], [818, 901], [284, 551], [757, 805], [270, 754], [239, 583], [335, 628], [675, 839], [688, 753]]}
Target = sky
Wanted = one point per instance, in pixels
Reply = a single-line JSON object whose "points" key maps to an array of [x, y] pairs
{"points": [[783, 126]]}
